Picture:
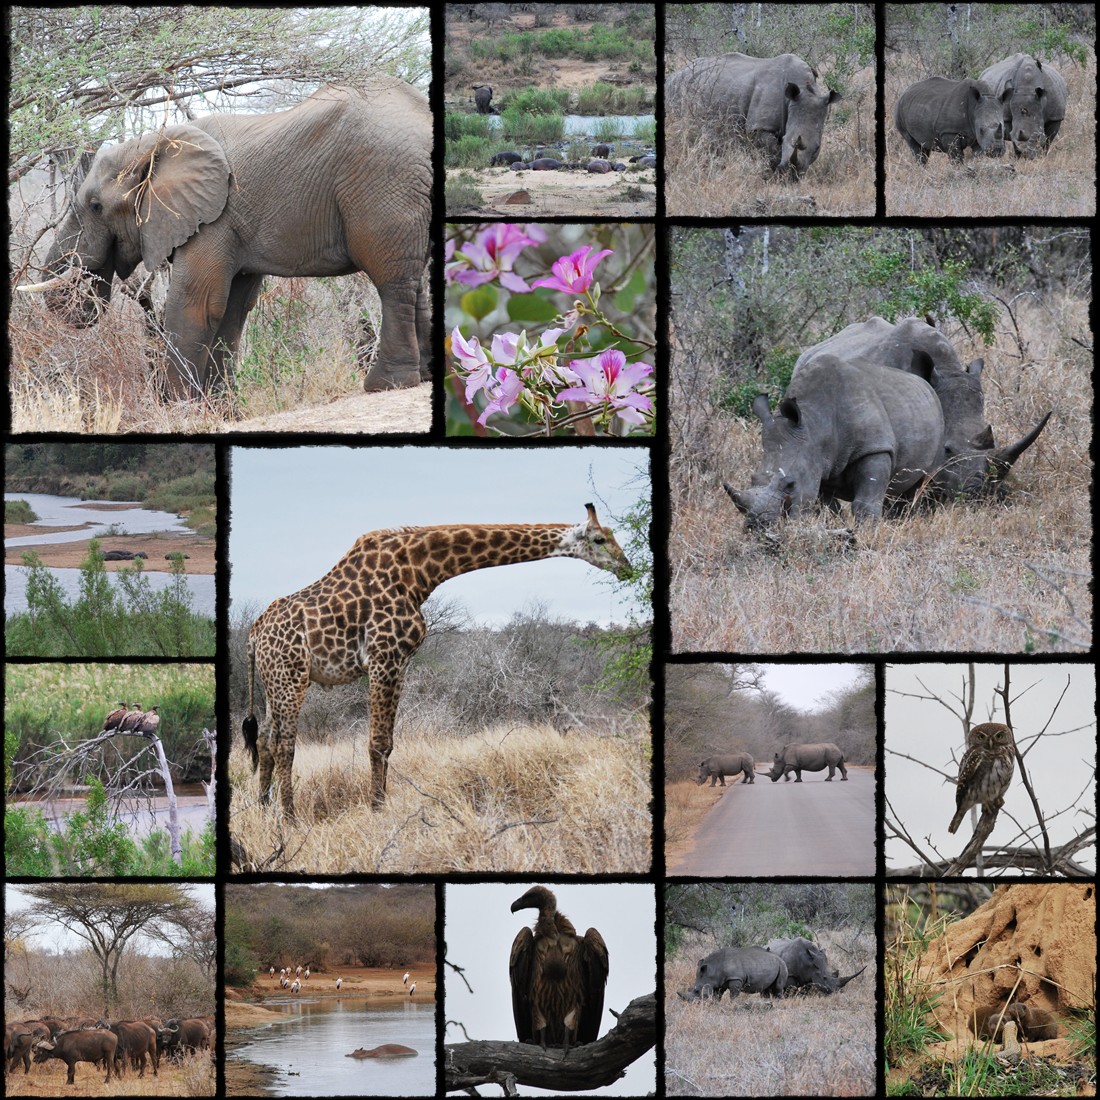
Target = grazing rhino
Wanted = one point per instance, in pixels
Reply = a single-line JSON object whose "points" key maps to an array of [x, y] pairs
{"points": [[1033, 98], [503, 158], [970, 463], [812, 758], [850, 430], [773, 102], [808, 967], [739, 970], [1034, 1024], [950, 116], [731, 764]]}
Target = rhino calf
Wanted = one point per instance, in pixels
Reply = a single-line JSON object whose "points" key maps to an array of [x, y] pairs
{"points": [[812, 758], [731, 764], [950, 116], [738, 970], [1033, 97]]}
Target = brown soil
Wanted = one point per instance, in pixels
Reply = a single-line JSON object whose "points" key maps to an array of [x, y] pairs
{"points": [[69, 555], [375, 413], [613, 195], [358, 982]]}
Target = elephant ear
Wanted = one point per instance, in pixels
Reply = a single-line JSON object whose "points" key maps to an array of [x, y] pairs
{"points": [[177, 180]]}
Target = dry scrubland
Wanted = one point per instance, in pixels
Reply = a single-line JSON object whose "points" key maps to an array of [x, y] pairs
{"points": [[193, 1077], [806, 1045], [1060, 184], [702, 180], [923, 582], [686, 804], [508, 799], [97, 380]]}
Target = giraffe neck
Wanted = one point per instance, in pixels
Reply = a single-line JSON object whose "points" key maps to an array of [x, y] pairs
{"points": [[436, 554]]}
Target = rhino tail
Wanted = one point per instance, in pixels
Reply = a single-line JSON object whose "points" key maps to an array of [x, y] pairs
{"points": [[1004, 458]]}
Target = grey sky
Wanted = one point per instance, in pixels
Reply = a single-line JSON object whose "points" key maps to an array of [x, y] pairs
{"points": [[296, 512], [1062, 765], [805, 687], [479, 931]]}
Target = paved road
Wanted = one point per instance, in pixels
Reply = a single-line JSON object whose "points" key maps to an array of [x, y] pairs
{"points": [[768, 829]]}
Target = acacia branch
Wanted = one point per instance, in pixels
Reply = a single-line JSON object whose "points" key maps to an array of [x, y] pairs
{"points": [[584, 1067]]}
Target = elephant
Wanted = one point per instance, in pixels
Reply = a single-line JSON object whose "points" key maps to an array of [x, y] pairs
{"points": [[1034, 1024], [808, 967], [950, 116], [504, 158], [850, 429], [812, 758], [232, 198], [970, 463], [1033, 97], [774, 102], [731, 764], [739, 970], [483, 94], [386, 1050]]}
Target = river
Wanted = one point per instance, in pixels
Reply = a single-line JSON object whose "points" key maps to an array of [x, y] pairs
{"points": [[308, 1048], [147, 816]]}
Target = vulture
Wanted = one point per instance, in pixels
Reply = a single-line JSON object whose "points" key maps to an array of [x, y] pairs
{"points": [[129, 723], [558, 977], [150, 720], [112, 720]]}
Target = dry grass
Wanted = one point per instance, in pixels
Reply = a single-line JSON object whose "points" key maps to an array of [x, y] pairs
{"points": [[193, 1077], [703, 181], [686, 804], [1060, 184], [98, 379], [801, 1046], [988, 577], [520, 800]]}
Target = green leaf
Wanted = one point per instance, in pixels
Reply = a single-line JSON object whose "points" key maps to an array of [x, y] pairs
{"points": [[530, 307], [480, 302], [628, 295]]}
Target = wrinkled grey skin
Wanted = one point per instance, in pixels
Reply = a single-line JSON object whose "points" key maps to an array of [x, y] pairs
{"points": [[731, 764], [230, 198], [774, 102], [483, 94], [814, 757], [850, 430], [950, 116], [739, 970], [504, 157], [970, 463], [1033, 96], [808, 967]]}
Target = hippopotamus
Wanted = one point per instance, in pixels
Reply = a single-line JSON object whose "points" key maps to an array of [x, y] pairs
{"points": [[601, 151], [951, 116], [618, 166], [504, 157], [599, 166], [1033, 97], [648, 161], [547, 164], [774, 102], [386, 1050], [519, 166]]}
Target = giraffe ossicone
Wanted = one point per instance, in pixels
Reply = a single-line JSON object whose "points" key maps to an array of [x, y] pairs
{"points": [[363, 618]]}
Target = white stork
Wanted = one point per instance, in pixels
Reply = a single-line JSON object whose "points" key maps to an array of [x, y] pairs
{"points": [[339, 982], [412, 989], [296, 986], [405, 979]]}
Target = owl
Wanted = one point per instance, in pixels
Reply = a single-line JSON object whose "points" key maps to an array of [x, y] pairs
{"points": [[986, 769]]}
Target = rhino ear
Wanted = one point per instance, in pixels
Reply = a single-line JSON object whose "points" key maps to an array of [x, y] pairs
{"points": [[792, 90], [975, 367], [788, 409], [922, 365], [983, 441]]}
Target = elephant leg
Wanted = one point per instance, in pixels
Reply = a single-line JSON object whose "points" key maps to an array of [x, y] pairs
{"points": [[424, 328], [243, 295], [192, 317], [398, 363]]}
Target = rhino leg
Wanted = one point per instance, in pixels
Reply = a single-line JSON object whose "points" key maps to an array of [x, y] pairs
{"points": [[768, 144], [871, 476], [843, 772], [919, 150], [832, 772]]}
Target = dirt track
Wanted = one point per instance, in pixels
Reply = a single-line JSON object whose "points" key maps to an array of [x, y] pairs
{"points": [[374, 413], [629, 194]]}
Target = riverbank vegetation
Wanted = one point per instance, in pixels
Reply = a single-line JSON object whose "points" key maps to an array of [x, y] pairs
{"points": [[129, 619]]}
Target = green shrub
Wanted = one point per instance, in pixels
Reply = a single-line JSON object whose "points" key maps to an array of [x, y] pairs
{"points": [[18, 511]]}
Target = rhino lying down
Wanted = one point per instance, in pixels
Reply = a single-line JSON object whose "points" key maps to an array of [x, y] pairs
{"points": [[807, 966]]}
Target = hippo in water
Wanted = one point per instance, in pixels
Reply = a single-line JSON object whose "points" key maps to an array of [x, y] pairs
{"points": [[386, 1050], [504, 157], [599, 166]]}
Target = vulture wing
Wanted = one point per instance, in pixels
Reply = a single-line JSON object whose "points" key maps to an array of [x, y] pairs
{"points": [[594, 962], [519, 972]]}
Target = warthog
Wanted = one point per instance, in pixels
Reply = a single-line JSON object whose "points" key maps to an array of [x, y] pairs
{"points": [[812, 758], [739, 970], [731, 764]]}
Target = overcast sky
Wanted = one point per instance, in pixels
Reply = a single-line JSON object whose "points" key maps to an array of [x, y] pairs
{"points": [[53, 937], [806, 687], [479, 931], [1061, 765], [296, 512]]}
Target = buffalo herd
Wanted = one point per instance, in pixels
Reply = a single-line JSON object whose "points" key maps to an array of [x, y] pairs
{"points": [[113, 1047]]}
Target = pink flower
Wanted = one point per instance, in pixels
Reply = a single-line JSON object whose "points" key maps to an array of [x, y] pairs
{"points": [[573, 273], [473, 360], [610, 381], [503, 392], [491, 254]]}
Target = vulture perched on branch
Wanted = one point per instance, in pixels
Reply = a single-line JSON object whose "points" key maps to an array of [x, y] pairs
{"points": [[132, 719], [558, 977], [112, 720]]}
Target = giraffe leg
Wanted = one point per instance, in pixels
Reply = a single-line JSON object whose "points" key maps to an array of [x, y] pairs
{"points": [[267, 761], [284, 702], [385, 694]]}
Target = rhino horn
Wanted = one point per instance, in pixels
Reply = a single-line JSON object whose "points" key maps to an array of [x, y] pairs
{"points": [[1003, 459], [742, 500], [762, 407], [842, 982]]}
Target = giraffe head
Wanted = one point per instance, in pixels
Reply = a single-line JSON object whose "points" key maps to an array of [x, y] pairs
{"points": [[596, 545]]}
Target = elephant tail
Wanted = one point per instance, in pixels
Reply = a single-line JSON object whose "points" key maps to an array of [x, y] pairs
{"points": [[250, 728]]}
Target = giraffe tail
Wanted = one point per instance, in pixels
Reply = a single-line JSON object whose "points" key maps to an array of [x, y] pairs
{"points": [[250, 728]]}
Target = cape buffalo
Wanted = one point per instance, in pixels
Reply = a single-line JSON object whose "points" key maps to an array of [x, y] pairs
{"points": [[187, 1035], [136, 1039], [71, 1047]]}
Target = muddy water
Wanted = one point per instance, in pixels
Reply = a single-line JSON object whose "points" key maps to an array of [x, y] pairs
{"points": [[146, 816]]}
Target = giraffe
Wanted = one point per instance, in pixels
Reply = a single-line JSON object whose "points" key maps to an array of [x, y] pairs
{"points": [[363, 618]]}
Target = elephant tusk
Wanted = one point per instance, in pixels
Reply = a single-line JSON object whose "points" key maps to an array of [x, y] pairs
{"points": [[49, 284]]}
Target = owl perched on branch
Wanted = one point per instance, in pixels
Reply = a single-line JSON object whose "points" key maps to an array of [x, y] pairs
{"points": [[986, 769]]}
